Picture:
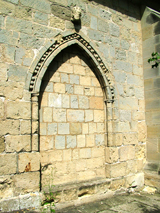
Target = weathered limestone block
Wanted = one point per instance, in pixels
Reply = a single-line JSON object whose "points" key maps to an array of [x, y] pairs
{"points": [[98, 151], [9, 126], [75, 115], [111, 154], [140, 151], [25, 127], [6, 186], [33, 159], [18, 110], [2, 144], [46, 142], [117, 183], [126, 153], [85, 153], [26, 182], [59, 115], [86, 175], [90, 142], [1, 108], [70, 194], [81, 165], [8, 164], [31, 200], [131, 138], [98, 115], [131, 167], [67, 155], [96, 103], [9, 205], [142, 131], [81, 140], [71, 141], [75, 128], [63, 128], [116, 170], [56, 22], [60, 142], [92, 128], [18, 143], [135, 180]]}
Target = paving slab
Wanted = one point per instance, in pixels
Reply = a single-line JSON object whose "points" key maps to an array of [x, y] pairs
{"points": [[126, 203]]}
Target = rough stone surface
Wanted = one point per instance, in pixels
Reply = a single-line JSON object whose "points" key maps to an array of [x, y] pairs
{"points": [[58, 125]]}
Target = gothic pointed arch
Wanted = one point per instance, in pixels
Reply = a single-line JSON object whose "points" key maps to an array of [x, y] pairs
{"points": [[50, 51]]}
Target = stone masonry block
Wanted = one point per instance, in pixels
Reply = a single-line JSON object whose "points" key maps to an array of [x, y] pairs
{"points": [[99, 116], [69, 88], [92, 128], [2, 144], [51, 129], [67, 155], [126, 153], [142, 131], [96, 103], [46, 142], [31, 159], [47, 114], [81, 141], [26, 182], [9, 126], [90, 141], [78, 89], [9, 205], [116, 170], [75, 128], [18, 110], [83, 102], [31, 200], [97, 152], [71, 141], [86, 175], [42, 6], [85, 153], [89, 91], [75, 115], [54, 100], [74, 79], [112, 155], [60, 142], [59, 115], [88, 115], [25, 127], [63, 128], [8, 164], [65, 101], [59, 88], [74, 101], [135, 180], [18, 143], [99, 139], [114, 29], [66, 68], [131, 138], [85, 80]]}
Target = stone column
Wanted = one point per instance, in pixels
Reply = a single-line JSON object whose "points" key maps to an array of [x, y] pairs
{"points": [[35, 122]]}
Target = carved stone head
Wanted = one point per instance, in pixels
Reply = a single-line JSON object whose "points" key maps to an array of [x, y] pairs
{"points": [[76, 14]]}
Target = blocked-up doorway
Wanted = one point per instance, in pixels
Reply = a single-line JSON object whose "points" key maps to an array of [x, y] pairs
{"points": [[72, 121]]}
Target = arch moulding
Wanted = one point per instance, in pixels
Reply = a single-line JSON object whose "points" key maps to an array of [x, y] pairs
{"points": [[47, 55]]}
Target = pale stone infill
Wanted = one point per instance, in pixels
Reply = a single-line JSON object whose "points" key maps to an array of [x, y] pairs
{"points": [[69, 103]]}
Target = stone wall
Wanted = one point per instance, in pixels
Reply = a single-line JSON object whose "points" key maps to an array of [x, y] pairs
{"points": [[151, 43], [79, 109]]}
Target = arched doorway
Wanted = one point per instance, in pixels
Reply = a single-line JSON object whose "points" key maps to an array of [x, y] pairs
{"points": [[72, 121]]}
